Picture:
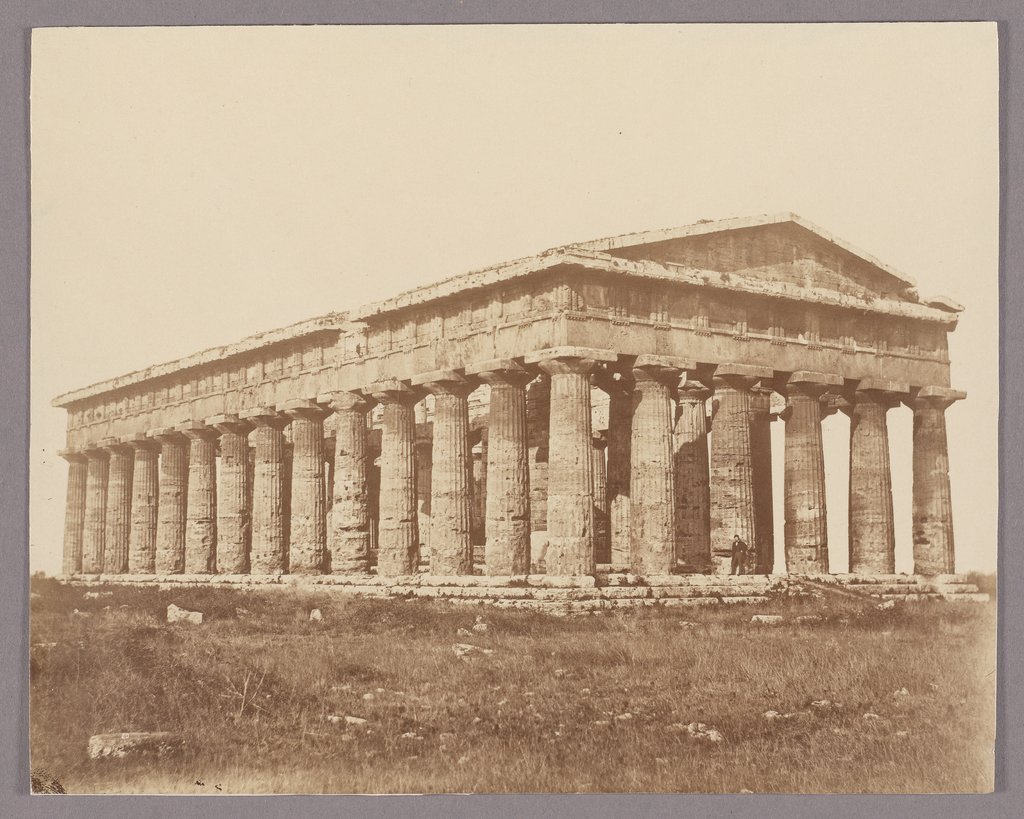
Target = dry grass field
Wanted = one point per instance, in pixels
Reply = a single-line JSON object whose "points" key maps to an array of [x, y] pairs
{"points": [[589, 704]]}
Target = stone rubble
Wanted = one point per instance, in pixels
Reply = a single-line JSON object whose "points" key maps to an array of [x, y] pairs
{"points": [[180, 615]]}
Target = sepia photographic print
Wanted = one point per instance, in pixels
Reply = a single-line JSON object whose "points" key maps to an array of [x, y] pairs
{"points": [[514, 409]]}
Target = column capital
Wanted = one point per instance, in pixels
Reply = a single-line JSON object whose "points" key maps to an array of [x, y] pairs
{"points": [[166, 435], [933, 397], [393, 391], [569, 360], [810, 384], [197, 431], [139, 441], [303, 408], [690, 390], [887, 394], [346, 401], [661, 369], [444, 382], [98, 450], [229, 424], [264, 417], [740, 376], [72, 456], [501, 371]]}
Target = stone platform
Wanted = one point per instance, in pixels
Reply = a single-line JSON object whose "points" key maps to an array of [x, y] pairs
{"points": [[574, 595]]}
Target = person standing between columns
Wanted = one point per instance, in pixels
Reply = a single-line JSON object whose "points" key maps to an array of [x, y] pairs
{"points": [[145, 496], [570, 473], [652, 545], [806, 525], [451, 546], [932, 505], [507, 516], [871, 530], [74, 512], [170, 522], [732, 471], [234, 513], [692, 486], [348, 537], [307, 546], [94, 528], [619, 388], [398, 540], [269, 551]]}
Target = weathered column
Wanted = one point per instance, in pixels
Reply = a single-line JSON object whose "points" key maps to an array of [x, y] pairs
{"points": [[451, 546], [619, 388], [94, 528], [652, 485], [806, 525], [507, 523], [932, 508], [732, 471], [118, 519], [170, 519], [692, 486], [74, 512], [201, 505], [145, 499], [602, 538], [872, 535], [348, 538], [538, 412], [234, 492], [268, 553], [307, 547], [398, 541], [761, 464], [570, 474]]}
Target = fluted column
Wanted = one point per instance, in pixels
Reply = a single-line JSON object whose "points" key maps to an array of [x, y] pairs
{"points": [[94, 528], [732, 470], [619, 388], [871, 530], [201, 503], [145, 500], [761, 464], [538, 412], [451, 475], [348, 537], [234, 494], [74, 512], [932, 506], [806, 526], [507, 519], [602, 539], [398, 541], [268, 553], [307, 549], [173, 497], [570, 473], [652, 483], [119, 509], [692, 486]]}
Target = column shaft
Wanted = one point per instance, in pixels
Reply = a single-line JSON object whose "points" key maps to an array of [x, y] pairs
{"points": [[932, 505], [234, 491], [732, 474], [692, 485], [349, 536], [74, 513], [308, 531], [269, 550], [170, 524], [145, 499], [806, 525], [201, 509], [94, 528], [398, 528], [872, 535]]}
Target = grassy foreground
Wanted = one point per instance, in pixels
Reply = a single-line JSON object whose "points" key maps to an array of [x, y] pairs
{"points": [[590, 704]]}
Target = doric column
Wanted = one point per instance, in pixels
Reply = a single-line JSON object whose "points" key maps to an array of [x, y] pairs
{"points": [[268, 553], [348, 538], [74, 512], [507, 523], [398, 541], [451, 546], [602, 534], [234, 494], [806, 526], [538, 412], [932, 509], [201, 506], [570, 473], [170, 519], [761, 464], [872, 535], [652, 484], [307, 547], [119, 509], [692, 486], [619, 388], [94, 529], [732, 471], [145, 499]]}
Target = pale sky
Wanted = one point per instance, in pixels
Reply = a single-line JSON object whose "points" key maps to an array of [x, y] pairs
{"points": [[191, 186]]}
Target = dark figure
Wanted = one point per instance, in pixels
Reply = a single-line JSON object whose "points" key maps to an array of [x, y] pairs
{"points": [[739, 556]]}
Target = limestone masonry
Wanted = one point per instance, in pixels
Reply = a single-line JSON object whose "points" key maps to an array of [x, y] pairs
{"points": [[551, 415]]}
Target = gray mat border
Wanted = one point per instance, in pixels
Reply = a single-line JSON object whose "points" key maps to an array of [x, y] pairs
{"points": [[17, 17]]}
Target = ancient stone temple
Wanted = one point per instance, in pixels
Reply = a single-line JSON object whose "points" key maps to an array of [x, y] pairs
{"points": [[599, 408]]}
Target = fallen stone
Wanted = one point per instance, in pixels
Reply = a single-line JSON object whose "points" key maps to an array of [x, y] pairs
{"points": [[480, 628], [559, 673], [240, 611], [810, 618], [903, 734], [901, 693], [886, 606], [180, 615], [465, 649], [106, 746], [870, 716], [368, 696], [602, 722], [687, 624], [463, 632], [93, 595], [316, 616], [355, 720], [410, 735], [77, 613], [698, 730], [334, 719], [767, 619], [624, 717]]}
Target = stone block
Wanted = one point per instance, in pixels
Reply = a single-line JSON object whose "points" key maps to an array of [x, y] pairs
{"points": [[117, 746]]}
